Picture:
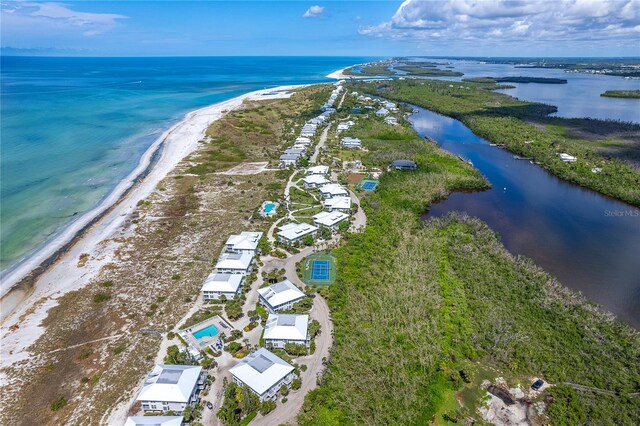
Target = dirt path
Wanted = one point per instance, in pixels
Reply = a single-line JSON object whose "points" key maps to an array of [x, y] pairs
{"points": [[287, 412]]}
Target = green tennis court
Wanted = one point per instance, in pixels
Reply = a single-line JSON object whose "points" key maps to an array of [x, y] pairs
{"points": [[367, 184], [320, 269]]}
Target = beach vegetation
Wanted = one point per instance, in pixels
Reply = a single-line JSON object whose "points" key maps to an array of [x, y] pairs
{"points": [[58, 403], [267, 406], [233, 309], [101, 297], [176, 356]]}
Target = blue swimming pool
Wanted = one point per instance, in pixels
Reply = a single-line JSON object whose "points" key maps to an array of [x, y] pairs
{"points": [[208, 331], [268, 207]]}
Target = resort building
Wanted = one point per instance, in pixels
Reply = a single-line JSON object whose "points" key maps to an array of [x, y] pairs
{"points": [[333, 190], [307, 133], [389, 105], [264, 373], [403, 165], [568, 158], [293, 232], [318, 170], [154, 421], [391, 120], [345, 126], [281, 329], [294, 151], [287, 160], [246, 242], [227, 285], [234, 263], [314, 181], [382, 112], [172, 388], [340, 204], [302, 141], [280, 296], [349, 142], [330, 219]]}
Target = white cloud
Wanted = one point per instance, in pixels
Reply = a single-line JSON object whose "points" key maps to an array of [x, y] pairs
{"points": [[59, 16], [314, 12], [501, 21]]}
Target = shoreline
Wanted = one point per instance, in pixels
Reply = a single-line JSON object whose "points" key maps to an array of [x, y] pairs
{"points": [[31, 289]]}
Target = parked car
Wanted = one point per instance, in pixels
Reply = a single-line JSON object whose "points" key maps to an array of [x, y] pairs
{"points": [[537, 384], [209, 405]]}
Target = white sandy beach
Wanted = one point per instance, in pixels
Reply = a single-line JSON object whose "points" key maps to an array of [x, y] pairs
{"points": [[24, 313]]}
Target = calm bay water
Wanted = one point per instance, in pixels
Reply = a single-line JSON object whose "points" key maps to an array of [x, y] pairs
{"points": [[590, 242], [580, 97], [72, 128]]}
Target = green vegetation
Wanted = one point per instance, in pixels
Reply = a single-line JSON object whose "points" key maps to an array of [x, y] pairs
{"points": [[267, 406], [525, 129], [374, 69], [627, 94], [238, 403], [176, 356], [418, 307], [430, 72], [233, 309], [101, 297], [541, 80], [58, 403]]}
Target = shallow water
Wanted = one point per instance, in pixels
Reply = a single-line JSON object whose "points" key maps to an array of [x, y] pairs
{"points": [[589, 242], [72, 128]]}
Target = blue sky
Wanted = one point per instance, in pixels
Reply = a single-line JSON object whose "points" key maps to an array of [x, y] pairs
{"points": [[381, 28]]}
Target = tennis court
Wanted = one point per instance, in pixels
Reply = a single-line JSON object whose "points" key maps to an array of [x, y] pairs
{"points": [[367, 184], [320, 269]]}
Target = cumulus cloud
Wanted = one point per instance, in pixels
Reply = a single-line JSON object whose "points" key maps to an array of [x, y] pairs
{"points": [[314, 12], [521, 20], [58, 15]]}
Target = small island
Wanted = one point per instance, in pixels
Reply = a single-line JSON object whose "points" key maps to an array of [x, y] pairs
{"points": [[520, 79], [626, 94]]}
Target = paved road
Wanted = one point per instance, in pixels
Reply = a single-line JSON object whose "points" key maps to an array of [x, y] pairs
{"points": [[323, 139], [285, 413], [359, 218]]}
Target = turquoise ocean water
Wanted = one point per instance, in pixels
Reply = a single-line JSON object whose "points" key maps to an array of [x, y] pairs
{"points": [[72, 128]]}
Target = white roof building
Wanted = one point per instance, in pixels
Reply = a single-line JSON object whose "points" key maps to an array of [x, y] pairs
{"points": [[280, 295], [216, 285], [302, 141], [342, 204], [292, 232], [330, 219], [318, 170], [568, 158], [234, 263], [171, 387], [349, 142], [307, 133], [391, 120], [382, 111], [281, 329], [331, 190], [154, 421], [247, 241], [263, 372], [314, 181], [288, 159]]}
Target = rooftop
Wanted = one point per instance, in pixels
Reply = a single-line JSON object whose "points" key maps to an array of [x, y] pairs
{"points": [[286, 327], [234, 261], [261, 370], [281, 293], [291, 231], [330, 218], [222, 283], [172, 383], [154, 421]]}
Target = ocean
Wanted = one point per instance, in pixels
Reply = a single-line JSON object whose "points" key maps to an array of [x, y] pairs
{"points": [[72, 128]]}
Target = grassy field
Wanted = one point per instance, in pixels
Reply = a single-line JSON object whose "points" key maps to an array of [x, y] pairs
{"points": [[167, 250], [627, 94], [419, 306], [610, 145]]}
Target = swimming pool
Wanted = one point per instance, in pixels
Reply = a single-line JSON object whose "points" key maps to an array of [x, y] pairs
{"points": [[268, 207], [208, 331]]}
